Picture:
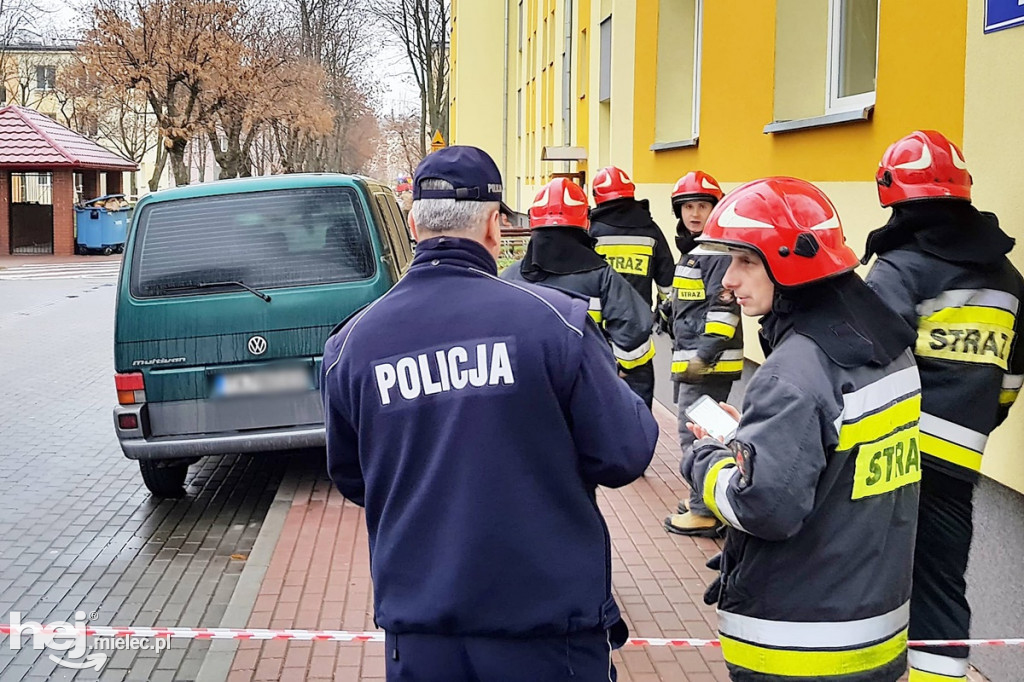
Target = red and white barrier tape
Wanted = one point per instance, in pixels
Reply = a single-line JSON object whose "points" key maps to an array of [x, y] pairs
{"points": [[378, 636]]}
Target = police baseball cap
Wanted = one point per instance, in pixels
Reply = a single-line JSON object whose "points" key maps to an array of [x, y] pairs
{"points": [[470, 171]]}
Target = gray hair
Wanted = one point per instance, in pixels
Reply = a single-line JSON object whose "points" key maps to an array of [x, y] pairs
{"points": [[448, 215]]}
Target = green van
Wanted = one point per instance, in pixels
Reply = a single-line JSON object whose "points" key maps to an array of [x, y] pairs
{"points": [[226, 297]]}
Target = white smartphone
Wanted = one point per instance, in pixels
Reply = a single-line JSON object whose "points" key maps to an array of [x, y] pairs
{"points": [[710, 416]]}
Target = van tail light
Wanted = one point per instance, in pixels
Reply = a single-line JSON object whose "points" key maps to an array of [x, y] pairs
{"points": [[131, 388]]}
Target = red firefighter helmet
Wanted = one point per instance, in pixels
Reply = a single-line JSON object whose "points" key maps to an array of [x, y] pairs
{"points": [[922, 165], [612, 183], [560, 202], [695, 186], [790, 223]]}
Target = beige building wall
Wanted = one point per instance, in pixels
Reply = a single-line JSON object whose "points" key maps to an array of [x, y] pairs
{"points": [[993, 140]]}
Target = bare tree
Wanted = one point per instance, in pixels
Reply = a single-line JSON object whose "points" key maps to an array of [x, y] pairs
{"points": [[15, 16], [166, 49], [420, 28]]}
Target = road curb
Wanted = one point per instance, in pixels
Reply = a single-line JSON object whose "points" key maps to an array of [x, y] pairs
{"points": [[217, 663]]}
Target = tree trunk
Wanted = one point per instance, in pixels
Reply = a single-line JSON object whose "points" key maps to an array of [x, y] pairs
{"points": [[182, 176], [134, 184], [158, 169]]}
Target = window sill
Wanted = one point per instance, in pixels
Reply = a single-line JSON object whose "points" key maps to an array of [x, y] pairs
{"points": [[678, 144], [853, 116]]}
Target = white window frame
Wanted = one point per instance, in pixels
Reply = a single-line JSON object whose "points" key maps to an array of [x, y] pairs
{"points": [[833, 102], [47, 85], [698, 50]]}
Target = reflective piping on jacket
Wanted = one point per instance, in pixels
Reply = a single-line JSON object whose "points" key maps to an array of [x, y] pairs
{"points": [[958, 298], [711, 478], [947, 668], [722, 324], [951, 442], [640, 355], [615, 240], [878, 394], [1011, 388], [723, 507], [793, 664], [877, 425], [729, 362], [688, 283], [594, 309], [814, 635]]}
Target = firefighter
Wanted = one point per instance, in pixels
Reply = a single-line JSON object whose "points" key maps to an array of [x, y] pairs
{"points": [[635, 247], [561, 254], [942, 266], [707, 353], [819, 487]]}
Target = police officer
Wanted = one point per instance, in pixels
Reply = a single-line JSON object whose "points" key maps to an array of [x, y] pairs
{"points": [[473, 418], [819, 488], [561, 254], [942, 265], [707, 352], [635, 247]]}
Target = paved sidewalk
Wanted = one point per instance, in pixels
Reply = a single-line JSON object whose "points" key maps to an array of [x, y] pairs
{"points": [[319, 577]]}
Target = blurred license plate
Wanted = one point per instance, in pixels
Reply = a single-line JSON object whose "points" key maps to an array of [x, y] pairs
{"points": [[282, 380]]}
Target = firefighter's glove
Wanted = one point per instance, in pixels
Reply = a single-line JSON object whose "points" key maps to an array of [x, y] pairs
{"points": [[663, 318], [713, 590], [715, 562], [695, 371]]}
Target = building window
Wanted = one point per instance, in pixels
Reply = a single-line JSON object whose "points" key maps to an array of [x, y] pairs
{"points": [[3, 94], [46, 77], [604, 91], [522, 20], [677, 100], [519, 112], [852, 52]]}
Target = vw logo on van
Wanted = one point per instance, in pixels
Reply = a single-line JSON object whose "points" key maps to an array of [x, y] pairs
{"points": [[257, 345]]}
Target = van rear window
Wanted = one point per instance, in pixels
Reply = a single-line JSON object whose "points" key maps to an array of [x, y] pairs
{"points": [[280, 238]]}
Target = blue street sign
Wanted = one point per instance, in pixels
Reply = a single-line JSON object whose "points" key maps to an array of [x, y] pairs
{"points": [[1000, 14]]}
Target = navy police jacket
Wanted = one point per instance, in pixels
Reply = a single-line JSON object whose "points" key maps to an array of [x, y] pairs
{"points": [[474, 418]]}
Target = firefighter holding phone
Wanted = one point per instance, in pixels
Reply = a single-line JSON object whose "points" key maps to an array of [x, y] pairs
{"points": [[824, 469]]}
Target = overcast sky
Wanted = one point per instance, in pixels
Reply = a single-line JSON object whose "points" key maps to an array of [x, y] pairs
{"points": [[399, 92]]}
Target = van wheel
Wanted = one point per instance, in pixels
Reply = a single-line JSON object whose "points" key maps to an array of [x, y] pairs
{"points": [[164, 478], [107, 250]]}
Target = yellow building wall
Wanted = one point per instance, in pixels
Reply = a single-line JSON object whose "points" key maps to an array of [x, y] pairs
{"points": [[475, 86], [920, 84], [993, 138]]}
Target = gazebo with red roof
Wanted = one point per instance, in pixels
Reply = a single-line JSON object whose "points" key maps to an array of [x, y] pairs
{"points": [[33, 142]]}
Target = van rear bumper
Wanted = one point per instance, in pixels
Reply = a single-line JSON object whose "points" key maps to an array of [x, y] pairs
{"points": [[136, 445]]}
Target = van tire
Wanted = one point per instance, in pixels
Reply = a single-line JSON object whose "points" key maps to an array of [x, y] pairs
{"points": [[164, 478]]}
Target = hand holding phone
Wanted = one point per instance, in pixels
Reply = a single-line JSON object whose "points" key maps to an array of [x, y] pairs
{"points": [[712, 419]]}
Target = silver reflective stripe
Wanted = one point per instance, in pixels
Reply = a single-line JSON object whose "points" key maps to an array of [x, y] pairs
{"points": [[615, 240], [808, 635], [725, 318], [957, 298], [665, 291], [722, 497], [595, 303], [954, 433], [683, 355], [878, 394], [939, 665], [1012, 382], [735, 354], [634, 354], [687, 272]]}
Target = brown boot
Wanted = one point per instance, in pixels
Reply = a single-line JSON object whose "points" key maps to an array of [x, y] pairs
{"points": [[693, 525]]}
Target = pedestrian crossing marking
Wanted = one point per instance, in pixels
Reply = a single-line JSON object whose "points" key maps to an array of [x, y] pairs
{"points": [[106, 269]]}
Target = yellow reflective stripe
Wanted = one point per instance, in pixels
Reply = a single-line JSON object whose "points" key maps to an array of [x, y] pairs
{"points": [[624, 250], [720, 328], [710, 480], [595, 315], [643, 359], [1008, 396], [950, 452], [722, 367], [880, 424], [973, 316], [924, 676], [812, 664]]}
